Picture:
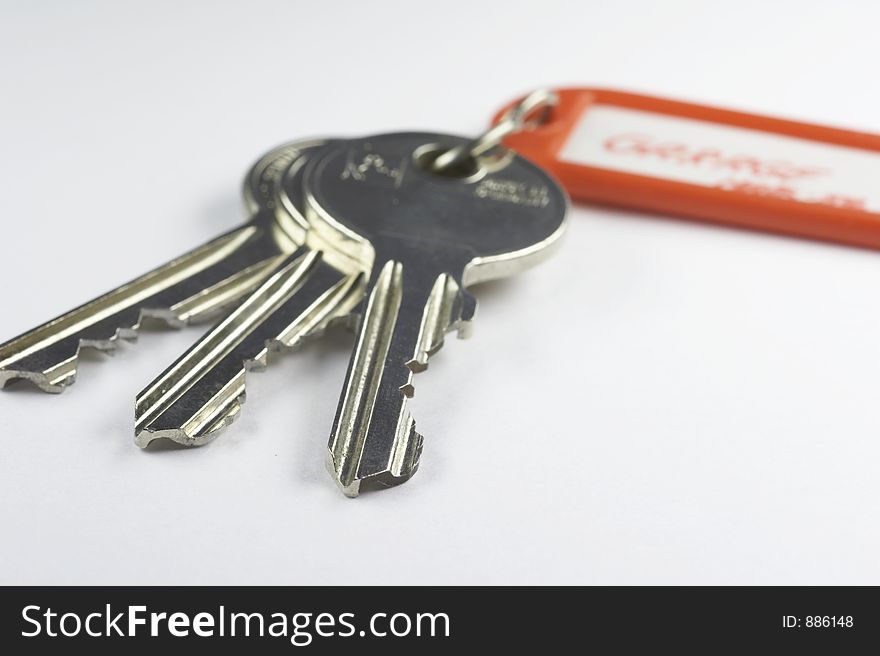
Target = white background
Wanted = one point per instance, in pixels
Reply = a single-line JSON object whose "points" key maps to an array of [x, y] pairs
{"points": [[663, 402]]}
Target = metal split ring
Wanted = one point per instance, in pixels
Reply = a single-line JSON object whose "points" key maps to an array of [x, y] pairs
{"points": [[515, 119]]}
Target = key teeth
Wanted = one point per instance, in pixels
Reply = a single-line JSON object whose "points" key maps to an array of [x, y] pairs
{"points": [[209, 432], [193, 410], [48, 380]]}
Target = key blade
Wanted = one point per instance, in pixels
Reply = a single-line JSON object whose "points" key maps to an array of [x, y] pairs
{"points": [[202, 392], [186, 289], [374, 442], [191, 288]]}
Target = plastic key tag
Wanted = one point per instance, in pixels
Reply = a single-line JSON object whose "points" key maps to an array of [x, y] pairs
{"points": [[710, 164]]}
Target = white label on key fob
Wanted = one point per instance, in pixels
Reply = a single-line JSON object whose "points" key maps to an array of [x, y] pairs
{"points": [[724, 156]]}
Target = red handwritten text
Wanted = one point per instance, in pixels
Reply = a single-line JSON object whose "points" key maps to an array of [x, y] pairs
{"points": [[682, 154]]}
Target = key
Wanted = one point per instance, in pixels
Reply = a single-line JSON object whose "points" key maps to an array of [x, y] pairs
{"points": [[202, 392], [423, 238], [193, 287]]}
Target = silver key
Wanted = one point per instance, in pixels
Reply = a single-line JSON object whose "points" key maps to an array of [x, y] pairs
{"points": [[423, 238], [190, 288], [203, 390]]}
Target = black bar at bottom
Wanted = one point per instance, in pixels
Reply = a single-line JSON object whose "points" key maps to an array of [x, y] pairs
{"points": [[438, 620]]}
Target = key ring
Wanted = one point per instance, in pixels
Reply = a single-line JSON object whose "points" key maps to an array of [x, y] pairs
{"points": [[514, 120]]}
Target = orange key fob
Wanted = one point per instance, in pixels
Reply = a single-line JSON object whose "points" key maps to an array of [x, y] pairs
{"points": [[710, 164]]}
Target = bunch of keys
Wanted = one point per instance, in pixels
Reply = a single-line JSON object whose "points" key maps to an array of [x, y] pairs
{"points": [[385, 234]]}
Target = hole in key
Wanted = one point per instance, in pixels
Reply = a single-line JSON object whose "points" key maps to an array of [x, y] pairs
{"points": [[467, 168]]}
